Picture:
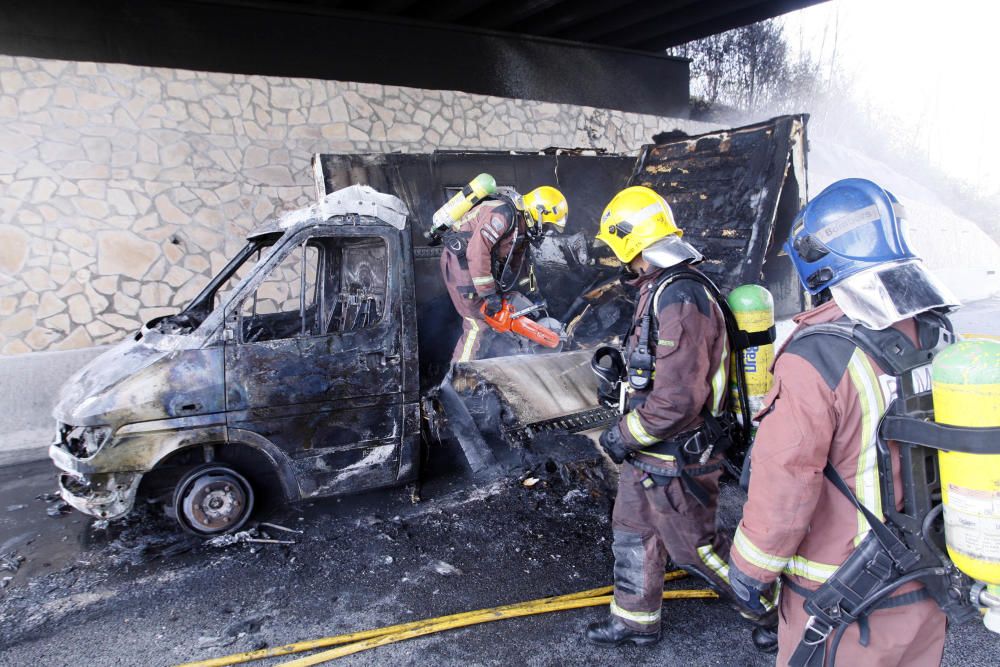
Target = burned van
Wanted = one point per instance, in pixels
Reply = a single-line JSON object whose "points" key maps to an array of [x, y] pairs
{"points": [[294, 370], [317, 361]]}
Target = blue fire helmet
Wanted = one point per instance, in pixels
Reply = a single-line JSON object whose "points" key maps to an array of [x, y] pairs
{"points": [[850, 226]]}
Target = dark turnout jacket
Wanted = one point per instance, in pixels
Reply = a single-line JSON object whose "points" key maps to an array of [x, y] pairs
{"points": [[691, 368], [488, 231], [495, 228]]}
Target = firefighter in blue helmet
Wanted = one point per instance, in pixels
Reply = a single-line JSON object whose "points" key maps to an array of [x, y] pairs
{"points": [[816, 483]]}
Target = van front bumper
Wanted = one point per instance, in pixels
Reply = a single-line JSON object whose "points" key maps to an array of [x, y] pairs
{"points": [[105, 495], [102, 495]]}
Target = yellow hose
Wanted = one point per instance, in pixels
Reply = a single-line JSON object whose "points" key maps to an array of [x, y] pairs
{"points": [[593, 596], [473, 618]]}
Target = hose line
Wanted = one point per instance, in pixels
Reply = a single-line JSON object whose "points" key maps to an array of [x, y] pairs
{"points": [[474, 619], [355, 642]]}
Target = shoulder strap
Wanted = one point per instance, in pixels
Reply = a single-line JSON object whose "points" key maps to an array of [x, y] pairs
{"points": [[647, 328], [685, 272], [895, 353], [901, 555], [647, 333], [501, 269], [649, 320], [891, 349], [504, 200]]}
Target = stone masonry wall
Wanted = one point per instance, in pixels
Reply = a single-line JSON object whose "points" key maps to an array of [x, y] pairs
{"points": [[122, 189]]}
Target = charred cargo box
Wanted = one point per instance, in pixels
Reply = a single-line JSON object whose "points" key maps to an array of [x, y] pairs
{"points": [[302, 369], [734, 193]]}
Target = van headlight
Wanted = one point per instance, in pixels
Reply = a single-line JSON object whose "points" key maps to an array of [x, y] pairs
{"points": [[85, 441]]}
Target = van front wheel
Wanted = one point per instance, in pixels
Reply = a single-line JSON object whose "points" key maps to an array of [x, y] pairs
{"points": [[213, 499]]}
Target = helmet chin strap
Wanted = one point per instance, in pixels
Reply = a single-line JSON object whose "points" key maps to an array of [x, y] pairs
{"points": [[533, 228], [628, 273]]}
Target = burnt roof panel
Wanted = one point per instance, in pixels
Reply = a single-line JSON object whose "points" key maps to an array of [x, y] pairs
{"points": [[724, 188]]}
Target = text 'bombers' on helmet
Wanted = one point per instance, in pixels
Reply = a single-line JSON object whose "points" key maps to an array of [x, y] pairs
{"points": [[634, 219], [850, 238], [852, 225], [547, 205]]}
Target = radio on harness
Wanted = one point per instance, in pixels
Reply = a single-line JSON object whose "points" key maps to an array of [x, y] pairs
{"points": [[722, 432]]}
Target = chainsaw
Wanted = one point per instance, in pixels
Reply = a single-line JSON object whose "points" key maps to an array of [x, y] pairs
{"points": [[508, 320]]}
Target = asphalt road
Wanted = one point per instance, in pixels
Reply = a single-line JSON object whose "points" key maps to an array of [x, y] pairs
{"points": [[138, 593]]}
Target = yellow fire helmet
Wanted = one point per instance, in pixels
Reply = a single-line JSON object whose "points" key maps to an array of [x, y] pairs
{"points": [[636, 218], [547, 205]]}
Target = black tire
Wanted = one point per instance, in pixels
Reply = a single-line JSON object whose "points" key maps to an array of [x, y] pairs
{"points": [[213, 499]]}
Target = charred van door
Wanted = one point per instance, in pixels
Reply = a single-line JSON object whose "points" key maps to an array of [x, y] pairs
{"points": [[314, 361]]}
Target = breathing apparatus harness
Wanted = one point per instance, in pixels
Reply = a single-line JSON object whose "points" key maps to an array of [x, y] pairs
{"points": [[908, 545], [505, 274], [717, 434]]}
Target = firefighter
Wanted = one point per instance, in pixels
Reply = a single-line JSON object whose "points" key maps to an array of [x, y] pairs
{"points": [[485, 257], [849, 249], [668, 440]]}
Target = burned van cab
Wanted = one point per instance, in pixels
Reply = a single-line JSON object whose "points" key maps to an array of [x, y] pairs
{"points": [[294, 371]]}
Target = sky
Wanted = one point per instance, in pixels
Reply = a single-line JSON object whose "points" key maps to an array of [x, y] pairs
{"points": [[930, 70]]}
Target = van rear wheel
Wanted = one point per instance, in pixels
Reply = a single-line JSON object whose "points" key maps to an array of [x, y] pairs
{"points": [[213, 499]]}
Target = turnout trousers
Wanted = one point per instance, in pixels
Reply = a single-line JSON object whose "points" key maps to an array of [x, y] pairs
{"points": [[476, 334], [474, 343], [656, 524], [907, 636]]}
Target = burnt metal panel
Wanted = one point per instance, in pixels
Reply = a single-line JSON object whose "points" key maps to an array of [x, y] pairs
{"points": [[734, 193], [425, 181], [333, 401]]}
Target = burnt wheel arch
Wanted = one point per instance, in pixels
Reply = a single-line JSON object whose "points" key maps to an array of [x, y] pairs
{"points": [[273, 482]]}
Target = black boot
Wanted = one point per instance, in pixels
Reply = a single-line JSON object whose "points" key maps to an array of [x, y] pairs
{"points": [[765, 640], [612, 632]]}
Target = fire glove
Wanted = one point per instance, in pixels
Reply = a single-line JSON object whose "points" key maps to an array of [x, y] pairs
{"points": [[613, 443], [750, 593], [494, 302]]}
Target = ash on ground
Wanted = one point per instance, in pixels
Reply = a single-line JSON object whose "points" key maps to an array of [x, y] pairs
{"points": [[139, 592]]}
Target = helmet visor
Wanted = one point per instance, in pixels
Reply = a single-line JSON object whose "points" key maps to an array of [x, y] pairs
{"points": [[883, 295], [670, 251]]}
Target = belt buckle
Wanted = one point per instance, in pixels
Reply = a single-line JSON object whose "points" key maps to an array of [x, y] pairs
{"points": [[812, 625], [880, 566], [694, 438]]}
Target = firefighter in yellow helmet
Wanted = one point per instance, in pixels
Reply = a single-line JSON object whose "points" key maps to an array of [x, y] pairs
{"points": [[672, 433], [486, 256], [546, 205]]}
